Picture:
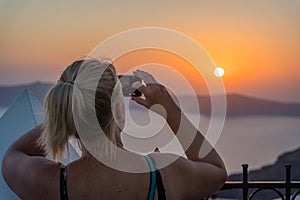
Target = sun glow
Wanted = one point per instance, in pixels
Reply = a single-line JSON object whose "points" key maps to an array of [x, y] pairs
{"points": [[219, 72]]}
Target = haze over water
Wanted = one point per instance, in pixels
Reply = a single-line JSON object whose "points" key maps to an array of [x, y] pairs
{"points": [[253, 140]]}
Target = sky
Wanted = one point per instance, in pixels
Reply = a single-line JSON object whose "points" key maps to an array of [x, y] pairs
{"points": [[256, 42]]}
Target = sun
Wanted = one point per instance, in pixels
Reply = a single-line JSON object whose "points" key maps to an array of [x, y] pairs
{"points": [[219, 72]]}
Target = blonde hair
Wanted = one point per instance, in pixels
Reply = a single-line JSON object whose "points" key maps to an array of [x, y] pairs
{"points": [[59, 123]]}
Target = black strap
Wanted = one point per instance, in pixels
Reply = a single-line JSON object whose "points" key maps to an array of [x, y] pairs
{"points": [[160, 186], [63, 183], [159, 183]]}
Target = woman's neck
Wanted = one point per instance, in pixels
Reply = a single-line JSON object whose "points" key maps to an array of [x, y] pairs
{"points": [[85, 154]]}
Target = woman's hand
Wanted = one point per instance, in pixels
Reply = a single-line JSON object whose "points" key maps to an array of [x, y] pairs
{"points": [[157, 97]]}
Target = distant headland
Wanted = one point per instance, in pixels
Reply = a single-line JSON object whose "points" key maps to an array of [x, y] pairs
{"points": [[237, 104]]}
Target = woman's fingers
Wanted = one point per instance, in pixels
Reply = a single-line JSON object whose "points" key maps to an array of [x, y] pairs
{"points": [[141, 87], [141, 101], [151, 91], [145, 76], [137, 85]]}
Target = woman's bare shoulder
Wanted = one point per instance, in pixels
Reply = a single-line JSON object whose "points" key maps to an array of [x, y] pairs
{"points": [[33, 177], [187, 178]]}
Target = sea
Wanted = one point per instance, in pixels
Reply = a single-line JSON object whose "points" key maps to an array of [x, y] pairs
{"points": [[255, 140]]}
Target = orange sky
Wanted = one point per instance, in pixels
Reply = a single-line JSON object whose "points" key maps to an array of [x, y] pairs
{"points": [[256, 42]]}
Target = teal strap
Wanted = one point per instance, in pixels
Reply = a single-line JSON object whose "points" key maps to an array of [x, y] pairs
{"points": [[152, 179]]}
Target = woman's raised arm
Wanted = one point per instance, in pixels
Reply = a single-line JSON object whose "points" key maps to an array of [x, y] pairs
{"points": [[207, 171], [26, 170]]}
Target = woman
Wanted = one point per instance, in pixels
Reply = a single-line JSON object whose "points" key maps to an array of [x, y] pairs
{"points": [[32, 176]]}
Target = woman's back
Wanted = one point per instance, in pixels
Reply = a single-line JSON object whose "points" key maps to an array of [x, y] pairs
{"points": [[90, 179]]}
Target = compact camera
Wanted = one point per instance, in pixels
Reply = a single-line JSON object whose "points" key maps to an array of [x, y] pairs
{"points": [[126, 82]]}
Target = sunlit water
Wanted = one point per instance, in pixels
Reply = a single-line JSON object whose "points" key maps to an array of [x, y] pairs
{"points": [[257, 140], [254, 140]]}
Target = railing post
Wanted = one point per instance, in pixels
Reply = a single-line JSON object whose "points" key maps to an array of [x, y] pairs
{"points": [[245, 181], [284, 189], [287, 181]]}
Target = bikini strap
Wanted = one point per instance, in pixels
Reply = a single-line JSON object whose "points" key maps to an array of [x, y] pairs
{"points": [[63, 183], [152, 188], [155, 181]]}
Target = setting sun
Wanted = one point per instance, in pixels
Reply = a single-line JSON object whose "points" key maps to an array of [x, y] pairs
{"points": [[219, 72]]}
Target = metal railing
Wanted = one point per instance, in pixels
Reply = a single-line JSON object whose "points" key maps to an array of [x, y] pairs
{"points": [[283, 189]]}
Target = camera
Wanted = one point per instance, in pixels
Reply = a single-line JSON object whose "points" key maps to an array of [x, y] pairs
{"points": [[126, 82]]}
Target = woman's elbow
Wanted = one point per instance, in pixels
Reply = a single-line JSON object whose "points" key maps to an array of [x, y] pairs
{"points": [[7, 165], [221, 178], [217, 180], [4, 167]]}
